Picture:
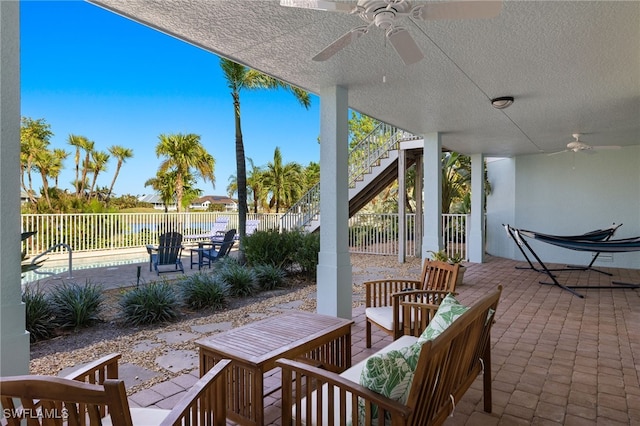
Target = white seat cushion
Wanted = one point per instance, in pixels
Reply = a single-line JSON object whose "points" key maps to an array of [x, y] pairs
{"points": [[352, 374], [143, 417], [381, 315]]}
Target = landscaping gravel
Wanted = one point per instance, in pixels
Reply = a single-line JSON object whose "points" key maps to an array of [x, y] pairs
{"points": [[73, 348]]}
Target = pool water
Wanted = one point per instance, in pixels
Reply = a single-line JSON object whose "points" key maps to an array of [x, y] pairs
{"points": [[62, 268]]}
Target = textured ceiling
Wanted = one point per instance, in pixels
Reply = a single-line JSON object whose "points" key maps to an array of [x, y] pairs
{"points": [[572, 66]]}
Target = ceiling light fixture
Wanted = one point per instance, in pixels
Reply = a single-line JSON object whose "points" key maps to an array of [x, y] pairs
{"points": [[502, 102]]}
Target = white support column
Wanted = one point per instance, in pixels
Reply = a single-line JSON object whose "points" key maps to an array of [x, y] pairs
{"points": [[334, 263], [432, 239], [402, 202], [14, 340], [476, 237], [419, 206]]}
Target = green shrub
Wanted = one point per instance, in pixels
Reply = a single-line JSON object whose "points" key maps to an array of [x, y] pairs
{"points": [[269, 277], [76, 305], [149, 304], [203, 290], [273, 248], [307, 254], [39, 314], [241, 280]]}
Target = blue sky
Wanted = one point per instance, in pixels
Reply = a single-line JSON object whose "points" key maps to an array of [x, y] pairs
{"points": [[90, 72]]}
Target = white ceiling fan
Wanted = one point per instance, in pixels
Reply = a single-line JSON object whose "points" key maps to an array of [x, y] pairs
{"points": [[387, 14], [578, 146]]}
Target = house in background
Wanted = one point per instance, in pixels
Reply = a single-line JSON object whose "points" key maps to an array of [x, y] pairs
{"points": [[203, 203], [156, 201]]}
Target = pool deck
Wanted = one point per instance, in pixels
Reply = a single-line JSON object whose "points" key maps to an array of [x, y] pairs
{"points": [[557, 359], [117, 275]]}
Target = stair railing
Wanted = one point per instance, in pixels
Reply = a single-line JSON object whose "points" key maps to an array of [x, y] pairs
{"points": [[363, 156]]}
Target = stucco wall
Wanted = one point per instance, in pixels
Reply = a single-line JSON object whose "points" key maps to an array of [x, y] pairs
{"points": [[565, 194]]}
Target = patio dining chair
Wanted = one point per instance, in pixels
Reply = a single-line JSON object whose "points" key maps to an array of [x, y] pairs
{"points": [[167, 253], [382, 297], [95, 396]]}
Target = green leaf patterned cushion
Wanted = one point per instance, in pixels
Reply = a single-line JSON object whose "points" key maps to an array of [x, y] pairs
{"points": [[390, 374], [450, 309]]}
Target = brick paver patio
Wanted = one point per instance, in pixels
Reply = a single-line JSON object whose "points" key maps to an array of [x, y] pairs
{"points": [[557, 359]]}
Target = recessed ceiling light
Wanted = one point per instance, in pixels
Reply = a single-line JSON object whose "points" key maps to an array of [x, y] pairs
{"points": [[502, 102]]}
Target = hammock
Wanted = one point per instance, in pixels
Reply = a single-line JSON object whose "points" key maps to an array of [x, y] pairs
{"points": [[606, 246], [592, 236], [595, 241]]}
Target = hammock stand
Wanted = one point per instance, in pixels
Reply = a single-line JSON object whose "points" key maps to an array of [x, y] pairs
{"points": [[606, 246], [597, 235]]}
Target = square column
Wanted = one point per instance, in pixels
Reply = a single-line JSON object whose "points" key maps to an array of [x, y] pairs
{"points": [[334, 263], [402, 203], [14, 340], [476, 235], [432, 229]]}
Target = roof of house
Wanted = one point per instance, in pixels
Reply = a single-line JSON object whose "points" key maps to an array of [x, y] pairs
{"points": [[216, 199]]}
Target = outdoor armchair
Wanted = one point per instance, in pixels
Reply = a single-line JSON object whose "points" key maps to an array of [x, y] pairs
{"points": [[380, 309], [167, 253], [95, 396], [224, 247]]}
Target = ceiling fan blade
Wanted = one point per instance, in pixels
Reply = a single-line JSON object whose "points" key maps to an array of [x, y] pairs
{"points": [[559, 152], [331, 6], [341, 43], [405, 45], [469, 9], [601, 147]]}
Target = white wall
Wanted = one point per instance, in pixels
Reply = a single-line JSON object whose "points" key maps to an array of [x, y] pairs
{"points": [[565, 194]]}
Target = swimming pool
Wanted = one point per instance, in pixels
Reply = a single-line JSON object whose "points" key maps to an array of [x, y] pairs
{"points": [[87, 263]]}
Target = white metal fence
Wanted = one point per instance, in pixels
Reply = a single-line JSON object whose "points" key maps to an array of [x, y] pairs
{"points": [[368, 233]]}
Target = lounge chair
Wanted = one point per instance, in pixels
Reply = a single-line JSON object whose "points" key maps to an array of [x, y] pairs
{"points": [[250, 228], [383, 296], [95, 396], [218, 229], [224, 247], [168, 252]]}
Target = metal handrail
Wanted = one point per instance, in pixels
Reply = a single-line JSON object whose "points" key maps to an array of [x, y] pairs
{"points": [[67, 246], [363, 156]]}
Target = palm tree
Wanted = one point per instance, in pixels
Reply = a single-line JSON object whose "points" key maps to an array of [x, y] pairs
{"points": [[34, 138], [164, 184], [238, 78], [311, 175], [456, 178], [184, 155], [121, 154], [79, 142], [284, 181], [59, 155], [87, 146], [97, 165], [44, 162]]}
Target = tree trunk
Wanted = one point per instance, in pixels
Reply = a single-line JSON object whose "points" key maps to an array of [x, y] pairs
{"points": [[242, 177]]}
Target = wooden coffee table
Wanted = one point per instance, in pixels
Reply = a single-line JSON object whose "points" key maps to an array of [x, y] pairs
{"points": [[318, 339]]}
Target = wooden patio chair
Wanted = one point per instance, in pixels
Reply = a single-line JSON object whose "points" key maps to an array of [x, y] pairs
{"points": [[95, 396], [167, 253], [382, 296]]}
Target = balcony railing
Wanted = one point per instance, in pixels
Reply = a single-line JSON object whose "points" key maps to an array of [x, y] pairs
{"points": [[92, 232]]}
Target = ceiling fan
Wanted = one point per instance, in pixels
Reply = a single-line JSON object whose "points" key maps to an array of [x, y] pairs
{"points": [[578, 146], [387, 14]]}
